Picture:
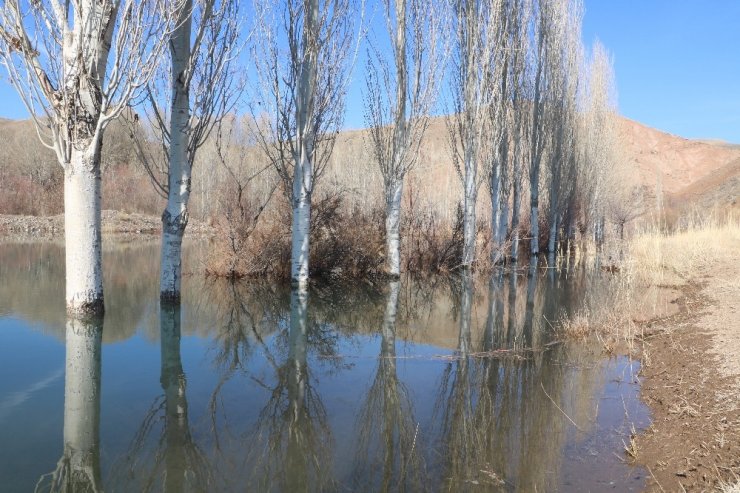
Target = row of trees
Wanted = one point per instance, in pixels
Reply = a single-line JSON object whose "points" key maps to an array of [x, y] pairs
{"points": [[522, 102]]}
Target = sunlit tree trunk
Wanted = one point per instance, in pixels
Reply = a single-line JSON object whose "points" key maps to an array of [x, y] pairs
{"points": [[175, 215], [82, 233], [304, 172], [393, 227]]}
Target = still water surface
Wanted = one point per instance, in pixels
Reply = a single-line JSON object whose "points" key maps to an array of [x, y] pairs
{"points": [[445, 385]]}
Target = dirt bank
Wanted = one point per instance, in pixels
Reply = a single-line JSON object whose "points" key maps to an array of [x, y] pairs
{"points": [[114, 222], [692, 384]]}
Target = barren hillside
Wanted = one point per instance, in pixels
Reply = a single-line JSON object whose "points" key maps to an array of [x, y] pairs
{"points": [[692, 173]]}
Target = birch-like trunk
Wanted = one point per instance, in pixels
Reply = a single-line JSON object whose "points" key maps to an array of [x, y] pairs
{"points": [[516, 206], [175, 215], [552, 240], [495, 188], [82, 404], [82, 233], [393, 227], [534, 215], [303, 171], [301, 227], [469, 201]]}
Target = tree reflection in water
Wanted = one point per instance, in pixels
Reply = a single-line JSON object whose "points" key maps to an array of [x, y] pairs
{"points": [[290, 446], [79, 467], [163, 455], [389, 454]]}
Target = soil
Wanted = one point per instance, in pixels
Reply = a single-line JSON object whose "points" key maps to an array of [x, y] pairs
{"points": [[691, 372], [114, 222]]}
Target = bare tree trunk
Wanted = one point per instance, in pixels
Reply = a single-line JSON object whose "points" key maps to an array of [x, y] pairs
{"points": [[303, 175], [469, 224], [175, 215], [495, 188], [82, 233], [301, 226], [516, 206], [392, 228]]}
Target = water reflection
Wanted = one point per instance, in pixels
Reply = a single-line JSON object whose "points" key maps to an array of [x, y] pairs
{"points": [[163, 456], [388, 456], [416, 385], [291, 450], [79, 467]]}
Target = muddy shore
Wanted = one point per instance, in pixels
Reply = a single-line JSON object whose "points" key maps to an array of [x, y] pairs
{"points": [[691, 383]]}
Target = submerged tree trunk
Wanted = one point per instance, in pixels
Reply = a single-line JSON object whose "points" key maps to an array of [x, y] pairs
{"points": [[392, 228], [175, 215], [82, 233]]}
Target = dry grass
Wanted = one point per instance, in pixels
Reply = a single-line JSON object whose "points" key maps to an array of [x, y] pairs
{"points": [[657, 258]]}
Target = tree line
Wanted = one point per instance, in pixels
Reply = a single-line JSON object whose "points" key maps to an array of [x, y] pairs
{"points": [[529, 112]]}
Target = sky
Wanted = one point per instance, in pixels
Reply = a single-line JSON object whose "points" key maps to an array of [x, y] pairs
{"points": [[677, 65]]}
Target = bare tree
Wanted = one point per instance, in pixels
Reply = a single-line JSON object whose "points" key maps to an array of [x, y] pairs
{"points": [[508, 72], [76, 65], [396, 127], [472, 93], [600, 141], [200, 88], [302, 61]]}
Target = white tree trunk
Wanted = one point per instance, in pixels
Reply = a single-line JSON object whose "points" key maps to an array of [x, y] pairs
{"points": [[82, 403], [516, 205], [552, 240], [175, 215], [82, 233], [470, 199], [392, 228], [495, 188], [301, 227], [534, 218]]}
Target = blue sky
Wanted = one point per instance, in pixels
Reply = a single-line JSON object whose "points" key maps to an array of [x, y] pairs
{"points": [[677, 64]]}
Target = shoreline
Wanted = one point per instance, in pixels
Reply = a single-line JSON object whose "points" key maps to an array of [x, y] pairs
{"points": [[690, 382], [113, 223]]}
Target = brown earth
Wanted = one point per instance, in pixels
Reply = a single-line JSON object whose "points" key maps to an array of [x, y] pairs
{"points": [[691, 382]]}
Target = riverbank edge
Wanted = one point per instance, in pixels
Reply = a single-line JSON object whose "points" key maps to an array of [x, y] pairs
{"points": [[693, 443], [113, 223]]}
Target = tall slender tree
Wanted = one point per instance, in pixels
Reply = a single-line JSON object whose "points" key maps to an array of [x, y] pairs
{"points": [[302, 63], [199, 89], [397, 126]]}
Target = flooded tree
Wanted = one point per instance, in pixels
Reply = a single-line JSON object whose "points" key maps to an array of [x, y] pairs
{"points": [[199, 89], [302, 52], [398, 102], [76, 67], [472, 89]]}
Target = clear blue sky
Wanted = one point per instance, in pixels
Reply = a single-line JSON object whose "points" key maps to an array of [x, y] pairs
{"points": [[677, 64]]}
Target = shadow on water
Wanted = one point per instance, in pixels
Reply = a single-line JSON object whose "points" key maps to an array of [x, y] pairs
{"points": [[452, 384]]}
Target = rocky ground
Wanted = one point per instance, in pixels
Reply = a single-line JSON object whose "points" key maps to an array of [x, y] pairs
{"points": [[691, 370]]}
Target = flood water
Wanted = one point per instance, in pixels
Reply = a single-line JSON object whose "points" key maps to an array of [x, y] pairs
{"points": [[450, 384]]}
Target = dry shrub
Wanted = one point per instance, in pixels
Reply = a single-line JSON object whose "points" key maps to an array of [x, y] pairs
{"points": [[347, 242]]}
